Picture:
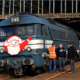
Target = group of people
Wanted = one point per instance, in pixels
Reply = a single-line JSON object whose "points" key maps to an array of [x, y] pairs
{"points": [[60, 53]]}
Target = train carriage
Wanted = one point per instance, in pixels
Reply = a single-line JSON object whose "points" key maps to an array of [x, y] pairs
{"points": [[43, 33]]}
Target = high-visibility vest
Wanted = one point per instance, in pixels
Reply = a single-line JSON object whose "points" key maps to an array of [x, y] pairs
{"points": [[52, 53]]}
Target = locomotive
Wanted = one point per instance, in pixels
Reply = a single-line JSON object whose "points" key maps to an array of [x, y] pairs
{"points": [[43, 33]]}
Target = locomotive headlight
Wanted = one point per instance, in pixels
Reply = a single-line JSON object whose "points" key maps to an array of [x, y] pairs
{"points": [[28, 49], [1, 50], [15, 19]]}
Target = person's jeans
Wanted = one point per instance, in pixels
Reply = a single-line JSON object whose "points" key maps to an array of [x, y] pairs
{"points": [[54, 65], [72, 64], [61, 62]]}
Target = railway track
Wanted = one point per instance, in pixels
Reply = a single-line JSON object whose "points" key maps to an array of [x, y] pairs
{"points": [[16, 78], [10, 76]]}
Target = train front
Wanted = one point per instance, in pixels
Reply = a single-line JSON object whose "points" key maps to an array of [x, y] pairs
{"points": [[22, 26]]}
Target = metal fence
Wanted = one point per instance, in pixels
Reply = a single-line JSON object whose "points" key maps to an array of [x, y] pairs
{"points": [[40, 8]]}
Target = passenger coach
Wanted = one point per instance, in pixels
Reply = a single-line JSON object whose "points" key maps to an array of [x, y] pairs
{"points": [[43, 33]]}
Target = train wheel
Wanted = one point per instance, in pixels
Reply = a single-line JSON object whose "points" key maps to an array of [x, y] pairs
{"points": [[38, 71], [76, 59], [46, 68], [15, 72], [18, 72]]}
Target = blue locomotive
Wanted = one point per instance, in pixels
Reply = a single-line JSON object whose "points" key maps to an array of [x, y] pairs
{"points": [[43, 33]]}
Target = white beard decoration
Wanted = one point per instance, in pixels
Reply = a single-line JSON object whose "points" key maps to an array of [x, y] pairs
{"points": [[13, 50]]}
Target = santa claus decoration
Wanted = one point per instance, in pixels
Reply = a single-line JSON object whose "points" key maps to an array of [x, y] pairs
{"points": [[14, 44]]}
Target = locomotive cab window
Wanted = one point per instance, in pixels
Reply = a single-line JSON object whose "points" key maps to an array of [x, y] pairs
{"points": [[46, 34], [26, 30], [7, 31], [21, 30], [42, 29], [31, 29], [38, 29]]}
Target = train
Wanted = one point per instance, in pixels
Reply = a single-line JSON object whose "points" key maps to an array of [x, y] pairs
{"points": [[44, 32]]}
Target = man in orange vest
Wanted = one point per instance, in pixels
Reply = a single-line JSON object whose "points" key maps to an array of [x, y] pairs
{"points": [[52, 57]]}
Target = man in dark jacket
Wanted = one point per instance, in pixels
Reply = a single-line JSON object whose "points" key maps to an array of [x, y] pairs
{"points": [[61, 55], [71, 56]]}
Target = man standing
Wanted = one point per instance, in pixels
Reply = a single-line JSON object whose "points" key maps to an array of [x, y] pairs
{"points": [[61, 56], [52, 57], [71, 56]]}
